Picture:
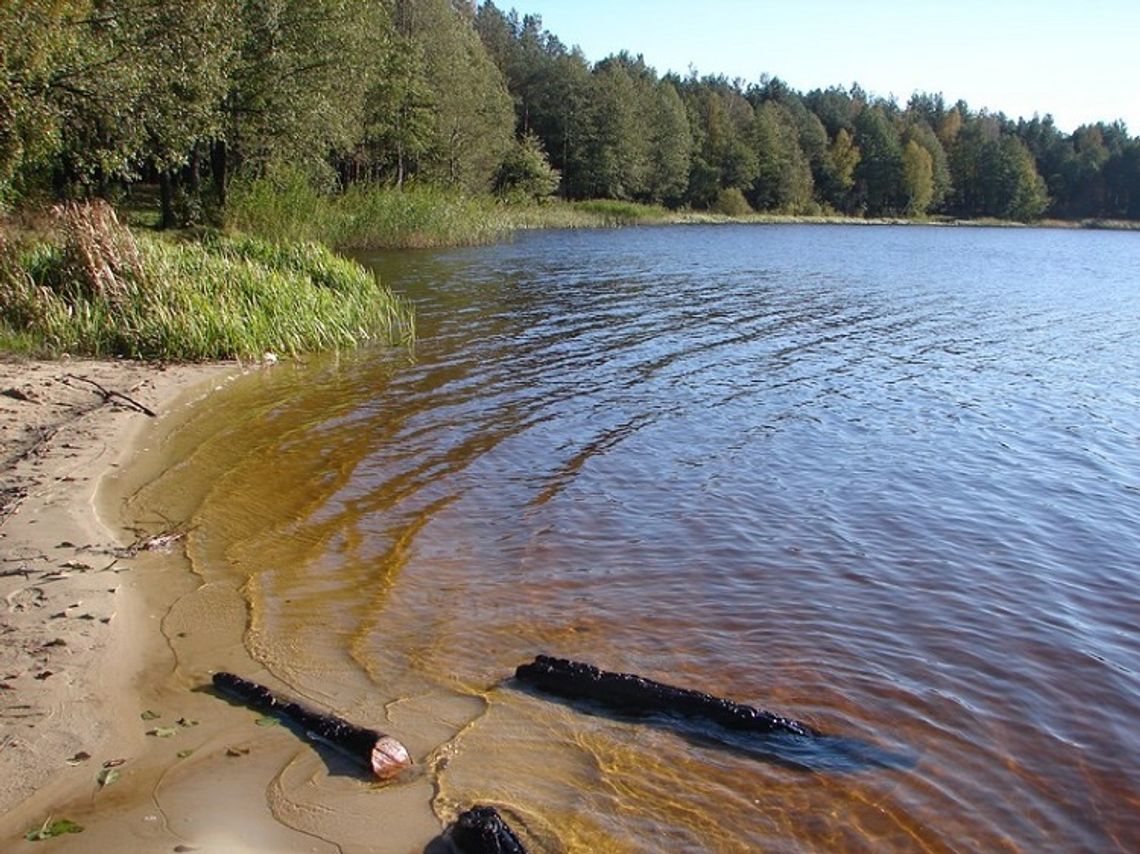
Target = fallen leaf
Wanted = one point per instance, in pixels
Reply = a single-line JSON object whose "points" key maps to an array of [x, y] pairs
{"points": [[79, 758], [182, 754], [184, 722], [107, 777], [237, 751], [43, 675], [53, 828], [267, 721], [114, 763], [148, 715], [163, 731]]}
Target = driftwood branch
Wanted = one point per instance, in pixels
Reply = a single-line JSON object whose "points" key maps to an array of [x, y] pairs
{"points": [[383, 754], [108, 394], [629, 694]]}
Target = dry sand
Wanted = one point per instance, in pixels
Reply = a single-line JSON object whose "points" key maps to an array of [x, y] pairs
{"points": [[73, 632]]}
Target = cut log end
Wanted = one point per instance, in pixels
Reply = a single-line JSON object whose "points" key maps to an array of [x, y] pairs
{"points": [[389, 758]]}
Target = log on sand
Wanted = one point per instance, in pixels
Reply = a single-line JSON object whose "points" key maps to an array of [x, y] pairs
{"points": [[481, 830], [383, 754], [635, 695]]}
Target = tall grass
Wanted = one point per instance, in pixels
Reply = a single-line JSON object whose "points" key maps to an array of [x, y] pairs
{"points": [[97, 289], [287, 207]]}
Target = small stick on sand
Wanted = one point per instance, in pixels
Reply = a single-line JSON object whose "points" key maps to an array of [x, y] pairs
{"points": [[383, 754]]}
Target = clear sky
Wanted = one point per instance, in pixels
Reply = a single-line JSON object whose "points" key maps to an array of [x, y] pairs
{"points": [[1079, 59]]}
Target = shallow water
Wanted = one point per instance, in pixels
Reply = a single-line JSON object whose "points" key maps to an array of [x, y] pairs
{"points": [[884, 480]]}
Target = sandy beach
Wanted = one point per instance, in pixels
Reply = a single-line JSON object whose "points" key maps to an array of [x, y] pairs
{"points": [[74, 626]]}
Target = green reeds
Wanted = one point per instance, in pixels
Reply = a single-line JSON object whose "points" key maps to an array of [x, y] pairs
{"points": [[287, 207], [97, 289]]}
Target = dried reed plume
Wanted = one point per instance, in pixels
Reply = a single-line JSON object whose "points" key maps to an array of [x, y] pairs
{"points": [[100, 253]]}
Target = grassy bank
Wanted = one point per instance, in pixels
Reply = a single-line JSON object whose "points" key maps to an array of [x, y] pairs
{"points": [[287, 208], [91, 286]]}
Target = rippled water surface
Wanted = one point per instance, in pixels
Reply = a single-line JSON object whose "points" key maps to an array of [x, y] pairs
{"points": [[882, 480]]}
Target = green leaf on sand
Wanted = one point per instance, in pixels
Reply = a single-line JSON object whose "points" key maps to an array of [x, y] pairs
{"points": [[53, 828], [163, 731], [148, 715], [106, 777], [267, 721], [182, 754]]}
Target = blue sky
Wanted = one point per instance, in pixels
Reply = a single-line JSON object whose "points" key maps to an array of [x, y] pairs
{"points": [[1079, 60]]}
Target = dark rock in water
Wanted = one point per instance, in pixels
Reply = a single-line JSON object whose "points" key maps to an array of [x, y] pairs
{"points": [[383, 754], [481, 830], [635, 695]]}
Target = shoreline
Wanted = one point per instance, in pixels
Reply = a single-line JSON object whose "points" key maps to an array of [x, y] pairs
{"points": [[74, 628], [128, 632]]}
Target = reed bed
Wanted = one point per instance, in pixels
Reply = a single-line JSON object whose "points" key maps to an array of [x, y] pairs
{"points": [[289, 208], [95, 288]]}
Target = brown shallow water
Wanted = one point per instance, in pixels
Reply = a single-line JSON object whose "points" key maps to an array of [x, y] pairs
{"points": [[882, 480]]}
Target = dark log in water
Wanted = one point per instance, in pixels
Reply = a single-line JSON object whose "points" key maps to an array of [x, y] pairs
{"points": [[381, 753], [481, 830], [629, 694]]}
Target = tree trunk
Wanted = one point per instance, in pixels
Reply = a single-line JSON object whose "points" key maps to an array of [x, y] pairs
{"points": [[218, 157], [166, 194]]}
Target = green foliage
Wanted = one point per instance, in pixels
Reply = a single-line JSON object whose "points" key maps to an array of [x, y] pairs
{"points": [[784, 180], [472, 116], [995, 173], [197, 94], [525, 172], [731, 202], [878, 176], [843, 156], [50, 829], [918, 178], [98, 290]]}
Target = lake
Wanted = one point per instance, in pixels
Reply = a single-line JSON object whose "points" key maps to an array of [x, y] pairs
{"points": [[883, 480]]}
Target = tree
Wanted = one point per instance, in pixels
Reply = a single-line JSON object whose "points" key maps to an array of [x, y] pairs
{"points": [[525, 172], [994, 173], [921, 132], [398, 120], [299, 84], [878, 177], [473, 118], [784, 180], [843, 156], [670, 147], [918, 178]]}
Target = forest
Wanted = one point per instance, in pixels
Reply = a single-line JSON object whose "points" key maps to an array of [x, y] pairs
{"points": [[100, 96]]}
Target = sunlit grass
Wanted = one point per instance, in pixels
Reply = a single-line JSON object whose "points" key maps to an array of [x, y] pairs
{"points": [[218, 298]]}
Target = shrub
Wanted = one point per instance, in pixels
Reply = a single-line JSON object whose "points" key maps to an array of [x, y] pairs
{"points": [[731, 202]]}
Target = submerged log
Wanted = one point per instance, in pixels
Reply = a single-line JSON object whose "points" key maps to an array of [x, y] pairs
{"points": [[383, 754], [481, 830], [635, 695]]}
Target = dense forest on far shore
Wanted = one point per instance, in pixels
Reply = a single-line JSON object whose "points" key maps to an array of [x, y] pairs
{"points": [[97, 96]]}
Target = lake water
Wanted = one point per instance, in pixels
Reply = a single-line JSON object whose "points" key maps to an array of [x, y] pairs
{"points": [[884, 480]]}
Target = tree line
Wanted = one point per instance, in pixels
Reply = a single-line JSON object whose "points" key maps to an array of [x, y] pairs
{"points": [[96, 95]]}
